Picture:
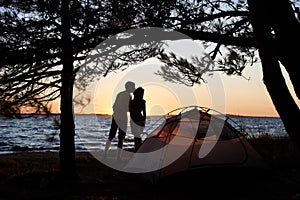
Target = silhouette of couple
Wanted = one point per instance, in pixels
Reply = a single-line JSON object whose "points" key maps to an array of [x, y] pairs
{"points": [[136, 106]]}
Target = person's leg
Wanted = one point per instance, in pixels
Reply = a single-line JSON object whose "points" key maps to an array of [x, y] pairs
{"points": [[121, 137], [138, 139], [136, 131], [137, 143], [112, 134]]}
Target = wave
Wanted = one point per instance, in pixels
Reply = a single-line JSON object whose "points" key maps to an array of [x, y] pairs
{"points": [[41, 133]]}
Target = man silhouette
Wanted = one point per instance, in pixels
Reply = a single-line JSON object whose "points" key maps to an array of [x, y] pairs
{"points": [[119, 117]]}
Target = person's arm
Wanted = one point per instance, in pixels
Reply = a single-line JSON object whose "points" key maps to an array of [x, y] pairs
{"points": [[144, 110]]}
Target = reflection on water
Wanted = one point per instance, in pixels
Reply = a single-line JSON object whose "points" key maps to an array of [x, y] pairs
{"points": [[41, 133]]}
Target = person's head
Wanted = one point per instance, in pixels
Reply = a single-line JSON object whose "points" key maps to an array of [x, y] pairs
{"points": [[130, 86], [138, 93]]}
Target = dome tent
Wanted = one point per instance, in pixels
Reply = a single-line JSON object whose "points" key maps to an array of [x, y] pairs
{"points": [[192, 138]]}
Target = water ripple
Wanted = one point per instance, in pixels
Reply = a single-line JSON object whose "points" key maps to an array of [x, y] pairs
{"points": [[91, 132]]}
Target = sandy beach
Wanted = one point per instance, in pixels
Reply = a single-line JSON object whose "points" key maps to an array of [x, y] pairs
{"points": [[35, 175]]}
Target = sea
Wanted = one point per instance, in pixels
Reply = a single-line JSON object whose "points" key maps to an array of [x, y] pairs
{"points": [[41, 133]]}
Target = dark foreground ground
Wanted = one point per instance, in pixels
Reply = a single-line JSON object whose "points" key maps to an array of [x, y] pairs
{"points": [[29, 175]]}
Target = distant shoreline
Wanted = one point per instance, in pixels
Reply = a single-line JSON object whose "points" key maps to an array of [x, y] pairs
{"points": [[109, 115]]}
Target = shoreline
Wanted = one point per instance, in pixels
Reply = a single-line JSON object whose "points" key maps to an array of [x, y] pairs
{"points": [[34, 175]]}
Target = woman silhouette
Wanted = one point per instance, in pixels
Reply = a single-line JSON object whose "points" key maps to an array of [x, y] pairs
{"points": [[137, 109]]}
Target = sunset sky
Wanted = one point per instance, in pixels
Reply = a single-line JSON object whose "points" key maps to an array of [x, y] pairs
{"points": [[238, 95], [242, 97]]}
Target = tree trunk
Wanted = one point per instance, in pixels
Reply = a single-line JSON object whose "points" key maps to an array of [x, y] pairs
{"points": [[287, 32], [268, 48], [67, 130]]}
